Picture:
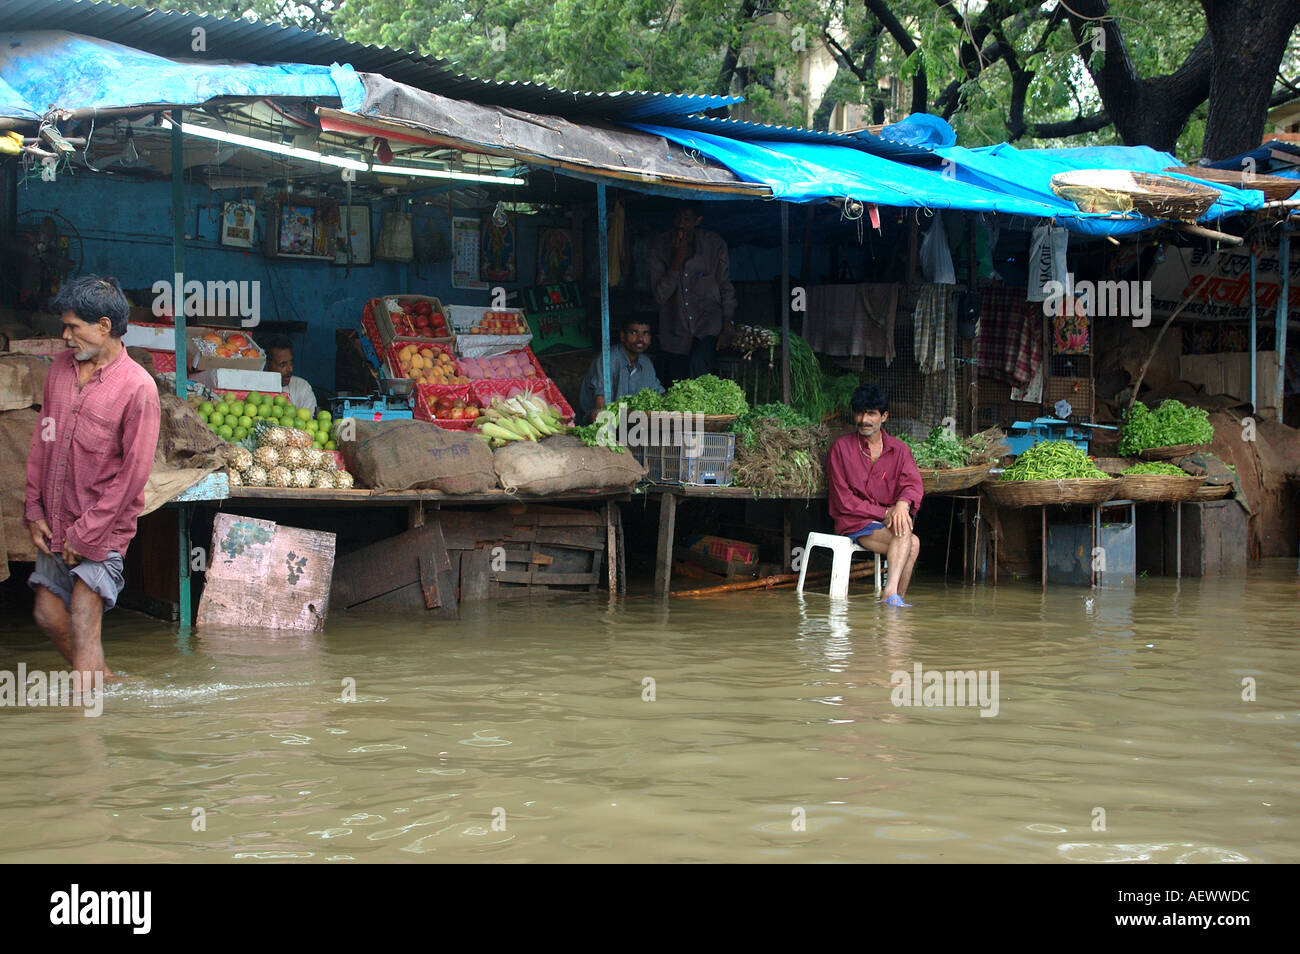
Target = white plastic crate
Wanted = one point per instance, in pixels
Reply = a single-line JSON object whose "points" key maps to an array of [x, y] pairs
{"points": [[708, 466], [464, 317]]}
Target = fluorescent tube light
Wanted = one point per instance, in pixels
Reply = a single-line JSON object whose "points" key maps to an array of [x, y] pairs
{"points": [[310, 155]]}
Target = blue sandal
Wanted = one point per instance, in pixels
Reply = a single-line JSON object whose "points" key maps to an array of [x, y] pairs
{"points": [[895, 600]]}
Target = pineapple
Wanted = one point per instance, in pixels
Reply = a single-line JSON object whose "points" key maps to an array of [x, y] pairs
{"points": [[278, 477], [267, 455], [255, 476], [342, 480], [276, 437], [241, 458], [315, 458], [301, 477], [299, 438], [235, 479], [293, 457], [322, 480]]}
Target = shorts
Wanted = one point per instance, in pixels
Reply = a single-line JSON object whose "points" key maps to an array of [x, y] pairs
{"points": [[103, 576], [866, 531]]}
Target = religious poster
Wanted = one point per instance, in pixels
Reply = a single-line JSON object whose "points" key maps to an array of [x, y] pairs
{"points": [[1219, 284], [497, 251], [237, 220], [557, 257], [465, 253]]}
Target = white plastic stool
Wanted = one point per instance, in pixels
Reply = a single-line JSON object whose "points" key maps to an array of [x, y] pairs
{"points": [[843, 550]]}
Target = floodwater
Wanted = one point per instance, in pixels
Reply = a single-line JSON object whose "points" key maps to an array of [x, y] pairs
{"points": [[529, 731]]}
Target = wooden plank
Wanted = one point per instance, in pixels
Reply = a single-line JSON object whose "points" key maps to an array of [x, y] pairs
{"points": [[475, 574], [381, 567], [439, 575], [580, 538], [474, 526], [571, 518], [622, 557], [528, 556], [611, 551], [664, 547], [549, 579]]}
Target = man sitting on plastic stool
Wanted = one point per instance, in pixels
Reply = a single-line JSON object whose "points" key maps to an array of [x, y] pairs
{"points": [[875, 490]]}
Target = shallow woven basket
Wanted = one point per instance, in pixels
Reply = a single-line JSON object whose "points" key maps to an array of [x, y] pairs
{"points": [[1039, 493], [954, 479], [717, 423], [1113, 465], [1118, 190], [1275, 188], [1157, 488], [1171, 452], [1212, 491]]}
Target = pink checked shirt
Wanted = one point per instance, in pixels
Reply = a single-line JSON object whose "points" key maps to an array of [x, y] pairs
{"points": [[91, 454]]}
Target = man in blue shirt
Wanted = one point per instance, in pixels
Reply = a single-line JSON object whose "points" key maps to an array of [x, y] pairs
{"points": [[630, 370]]}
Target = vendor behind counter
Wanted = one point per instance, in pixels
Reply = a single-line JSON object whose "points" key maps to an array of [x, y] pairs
{"points": [[631, 369], [279, 358]]}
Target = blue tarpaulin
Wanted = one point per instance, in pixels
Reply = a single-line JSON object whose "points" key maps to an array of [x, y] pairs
{"points": [[67, 71], [807, 172], [1028, 173]]}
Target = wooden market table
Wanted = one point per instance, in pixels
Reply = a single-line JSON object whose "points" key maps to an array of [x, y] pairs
{"points": [[215, 491]]}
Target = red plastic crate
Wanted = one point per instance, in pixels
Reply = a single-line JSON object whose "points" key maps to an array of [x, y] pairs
{"points": [[427, 394], [163, 361], [738, 551], [500, 387]]}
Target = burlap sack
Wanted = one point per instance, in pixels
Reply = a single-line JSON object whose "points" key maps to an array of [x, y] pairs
{"points": [[16, 429], [418, 455], [184, 440], [563, 463], [22, 381]]}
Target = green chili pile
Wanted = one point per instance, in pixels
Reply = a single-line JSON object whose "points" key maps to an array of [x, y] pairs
{"points": [[1054, 460], [1155, 467], [1171, 423]]}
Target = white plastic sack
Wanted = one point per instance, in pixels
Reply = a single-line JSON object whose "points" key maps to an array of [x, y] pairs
{"points": [[936, 260], [1047, 247], [395, 241]]}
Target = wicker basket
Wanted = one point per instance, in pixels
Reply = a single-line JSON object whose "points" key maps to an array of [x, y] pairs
{"points": [[954, 479], [1275, 188], [1171, 452], [1118, 190], [718, 423], [1212, 491], [1114, 465], [1157, 488], [1041, 493]]}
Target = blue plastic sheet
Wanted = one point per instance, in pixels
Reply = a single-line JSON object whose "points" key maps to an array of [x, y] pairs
{"points": [[1028, 173], [67, 71], [808, 172]]}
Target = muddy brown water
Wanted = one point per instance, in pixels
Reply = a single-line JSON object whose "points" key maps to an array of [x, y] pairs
{"points": [[526, 732]]}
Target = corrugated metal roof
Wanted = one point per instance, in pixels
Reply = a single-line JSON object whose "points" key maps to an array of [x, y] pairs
{"points": [[761, 132], [168, 33]]}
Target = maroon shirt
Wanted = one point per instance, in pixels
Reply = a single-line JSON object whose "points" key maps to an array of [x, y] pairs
{"points": [[861, 491], [91, 454]]}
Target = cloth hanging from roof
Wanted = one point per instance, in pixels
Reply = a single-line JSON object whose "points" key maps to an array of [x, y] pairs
{"points": [[930, 321], [1010, 342], [852, 320]]}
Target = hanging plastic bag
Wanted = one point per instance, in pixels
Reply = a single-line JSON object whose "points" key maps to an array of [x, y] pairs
{"points": [[395, 241], [936, 260], [1047, 247]]}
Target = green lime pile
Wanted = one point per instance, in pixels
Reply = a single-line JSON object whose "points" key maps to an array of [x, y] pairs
{"points": [[237, 421]]}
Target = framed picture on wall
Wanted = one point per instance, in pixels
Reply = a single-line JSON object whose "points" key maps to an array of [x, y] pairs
{"points": [[497, 251], [557, 257], [354, 227], [237, 222], [465, 253], [302, 227]]}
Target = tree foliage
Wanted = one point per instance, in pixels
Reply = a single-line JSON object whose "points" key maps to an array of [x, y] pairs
{"points": [[1028, 71]]}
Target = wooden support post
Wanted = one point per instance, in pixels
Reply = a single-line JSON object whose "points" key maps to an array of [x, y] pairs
{"points": [[611, 550], [785, 303], [664, 549], [785, 533]]}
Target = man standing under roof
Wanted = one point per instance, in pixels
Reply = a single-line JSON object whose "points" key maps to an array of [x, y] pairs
{"points": [[279, 358], [690, 275]]}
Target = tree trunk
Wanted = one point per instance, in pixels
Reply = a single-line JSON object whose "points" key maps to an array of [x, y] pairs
{"points": [[1249, 38]]}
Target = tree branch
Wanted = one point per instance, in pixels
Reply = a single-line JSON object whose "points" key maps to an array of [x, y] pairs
{"points": [[907, 45], [1071, 127]]}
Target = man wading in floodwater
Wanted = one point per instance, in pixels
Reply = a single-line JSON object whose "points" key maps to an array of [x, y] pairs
{"points": [[875, 490], [89, 461]]}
